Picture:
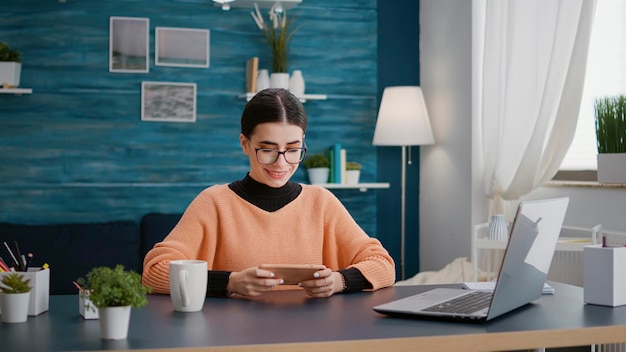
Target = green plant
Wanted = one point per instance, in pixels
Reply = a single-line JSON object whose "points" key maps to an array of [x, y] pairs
{"points": [[352, 165], [8, 54], [611, 124], [115, 287], [15, 283], [316, 160], [277, 34]]}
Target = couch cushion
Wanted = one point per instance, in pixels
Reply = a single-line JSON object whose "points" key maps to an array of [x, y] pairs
{"points": [[72, 250], [154, 228]]}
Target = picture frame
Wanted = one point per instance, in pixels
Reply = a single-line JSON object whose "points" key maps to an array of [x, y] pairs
{"points": [[129, 44], [168, 101], [181, 47]]}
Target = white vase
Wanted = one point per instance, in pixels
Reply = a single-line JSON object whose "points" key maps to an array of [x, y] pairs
{"points": [[498, 231], [262, 80], [296, 83], [14, 307], [318, 175], [114, 322], [279, 80]]}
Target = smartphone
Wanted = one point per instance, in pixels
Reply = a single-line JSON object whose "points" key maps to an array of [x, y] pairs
{"points": [[293, 273]]}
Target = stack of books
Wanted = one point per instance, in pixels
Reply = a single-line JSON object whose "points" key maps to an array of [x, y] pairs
{"points": [[337, 156]]}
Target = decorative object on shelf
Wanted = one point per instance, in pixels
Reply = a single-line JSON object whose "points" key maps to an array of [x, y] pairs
{"points": [[403, 121], [263, 80], [317, 167], [497, 229], [10, 66], [296, 83], [114, 292], [252, 74], [353, 172], [611, 134], [264, 4], [279, 80], [278, 33], [14, 298]]}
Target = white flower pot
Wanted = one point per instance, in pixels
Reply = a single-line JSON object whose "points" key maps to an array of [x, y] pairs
{"points": [[14, 307], [318, 174], [10, 73], [263, 80], [279, 80], [114, 322], [352, 176], [612, 168]]}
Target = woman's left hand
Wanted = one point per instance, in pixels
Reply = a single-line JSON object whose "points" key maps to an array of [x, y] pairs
{"points": [[325, 284]]}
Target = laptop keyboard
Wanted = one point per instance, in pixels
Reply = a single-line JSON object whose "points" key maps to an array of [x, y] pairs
{"points": [[469, 303]]}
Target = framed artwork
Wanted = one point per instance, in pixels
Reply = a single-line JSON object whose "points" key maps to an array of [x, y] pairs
{"points": [[183, 47], [129, 44], [168, 101]]}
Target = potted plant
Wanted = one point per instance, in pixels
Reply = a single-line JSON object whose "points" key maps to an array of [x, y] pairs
{"points": [[611, 134], [14, 298], [353, 172], [114, 291], [318, 167], [277, 33], [10, 66]]}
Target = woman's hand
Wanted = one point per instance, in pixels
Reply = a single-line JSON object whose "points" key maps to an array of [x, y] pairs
{"points": [[252, 282], [325, 284]]}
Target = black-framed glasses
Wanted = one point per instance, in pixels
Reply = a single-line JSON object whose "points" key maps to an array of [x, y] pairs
{"points": [[268, 156]]}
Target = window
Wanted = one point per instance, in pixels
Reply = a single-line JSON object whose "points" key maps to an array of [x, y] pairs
{"points": [[606, 75]]}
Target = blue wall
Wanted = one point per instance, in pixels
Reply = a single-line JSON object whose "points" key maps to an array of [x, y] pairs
{"points": [[76, 151]]}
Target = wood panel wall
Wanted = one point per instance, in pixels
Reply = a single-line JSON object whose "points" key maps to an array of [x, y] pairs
{"points": [[76, 150]]}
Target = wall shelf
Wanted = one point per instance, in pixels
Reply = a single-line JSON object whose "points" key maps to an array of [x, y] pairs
{"points": [[303, 98], [360, 186], [16, 91]]}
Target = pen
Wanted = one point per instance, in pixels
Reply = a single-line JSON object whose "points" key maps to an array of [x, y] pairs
{"points": [[21, 261], [27, 263], [12, 255]]}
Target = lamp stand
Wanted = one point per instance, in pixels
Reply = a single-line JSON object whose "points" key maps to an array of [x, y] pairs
{"points": [[402, 212]]}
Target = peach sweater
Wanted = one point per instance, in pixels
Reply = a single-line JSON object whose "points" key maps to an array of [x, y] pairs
{"points": [[231, 235]]}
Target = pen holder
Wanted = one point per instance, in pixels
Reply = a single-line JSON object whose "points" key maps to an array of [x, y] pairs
{"points": [[40, 289], [86, 308], [603, 278]]}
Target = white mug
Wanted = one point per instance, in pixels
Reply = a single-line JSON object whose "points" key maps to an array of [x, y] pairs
{"points": [[188, 284]]}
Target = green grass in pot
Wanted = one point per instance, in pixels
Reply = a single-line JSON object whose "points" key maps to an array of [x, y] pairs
{"points": [[611, 124], [316, 161]]}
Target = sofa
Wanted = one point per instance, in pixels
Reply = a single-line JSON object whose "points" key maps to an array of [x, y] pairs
{"points": [[72, 249]]}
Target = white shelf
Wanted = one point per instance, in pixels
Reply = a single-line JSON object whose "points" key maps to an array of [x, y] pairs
{"points": [[360, 186], [303, 98], [263, 4], [16, 91]]}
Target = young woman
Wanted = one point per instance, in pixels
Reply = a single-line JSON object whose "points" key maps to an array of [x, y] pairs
{"points": [[266, 219]]}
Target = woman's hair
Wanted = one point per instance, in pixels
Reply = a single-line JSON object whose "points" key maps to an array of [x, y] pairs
{"points": [[272, 105]]}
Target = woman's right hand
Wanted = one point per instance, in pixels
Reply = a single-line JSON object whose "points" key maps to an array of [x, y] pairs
{"points": [[252, 282]]}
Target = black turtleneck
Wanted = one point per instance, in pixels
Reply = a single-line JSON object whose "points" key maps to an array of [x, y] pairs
{"points": [[263, 196]]}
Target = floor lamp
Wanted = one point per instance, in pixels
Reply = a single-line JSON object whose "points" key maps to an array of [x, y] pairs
{"points": [[403, 121]]}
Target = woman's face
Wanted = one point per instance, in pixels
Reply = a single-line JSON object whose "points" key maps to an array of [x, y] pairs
{"points": [[273, 135]]}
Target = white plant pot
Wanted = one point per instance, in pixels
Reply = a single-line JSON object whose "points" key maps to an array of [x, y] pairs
{"points": [[318, 175], [352, 176], [14, 307], [10, 73], [612, 168], [114, 322], [279, 80]]}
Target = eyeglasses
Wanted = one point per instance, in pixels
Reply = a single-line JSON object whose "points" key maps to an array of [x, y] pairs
{"points": [[268, 156]]}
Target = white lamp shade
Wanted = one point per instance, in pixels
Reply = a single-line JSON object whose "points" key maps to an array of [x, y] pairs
{"points": [[403, 118]]}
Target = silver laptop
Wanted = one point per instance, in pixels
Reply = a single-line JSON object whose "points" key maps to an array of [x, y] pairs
{"points": [[532, 241]]}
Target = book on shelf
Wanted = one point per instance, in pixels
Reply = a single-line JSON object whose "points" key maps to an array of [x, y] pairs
{"points": [[252, 71], [337, 156]]}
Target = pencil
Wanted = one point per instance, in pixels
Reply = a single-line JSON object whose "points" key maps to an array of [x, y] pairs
{"points": [[12, 255], [4, 265]]}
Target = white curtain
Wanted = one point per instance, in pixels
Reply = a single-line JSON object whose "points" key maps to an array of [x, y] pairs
{"points": [[534, 56]]}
